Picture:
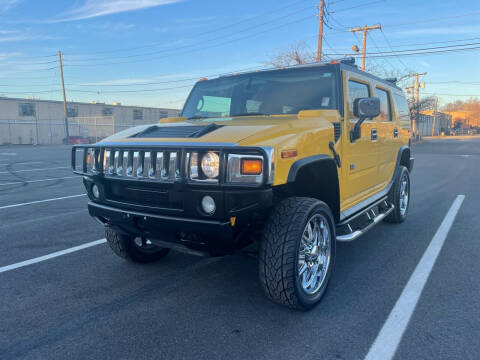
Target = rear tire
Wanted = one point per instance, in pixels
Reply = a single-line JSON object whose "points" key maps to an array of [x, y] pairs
{"points": [[400, 197], [295, 264], [130, 248]]}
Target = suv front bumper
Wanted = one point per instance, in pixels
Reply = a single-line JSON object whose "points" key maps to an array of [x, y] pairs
{"points": [[186, 224], [153, 225]]}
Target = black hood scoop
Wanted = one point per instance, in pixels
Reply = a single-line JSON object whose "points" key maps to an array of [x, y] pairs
{"points": [[193, 131]]}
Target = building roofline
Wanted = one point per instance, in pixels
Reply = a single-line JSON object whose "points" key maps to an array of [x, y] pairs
{"points": [[85, 103]]}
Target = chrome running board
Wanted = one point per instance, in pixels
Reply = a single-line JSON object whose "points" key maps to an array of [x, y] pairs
{"points": [[371, 217]]}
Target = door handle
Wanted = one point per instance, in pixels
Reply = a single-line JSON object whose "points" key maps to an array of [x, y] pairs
{"points": [[395, 133], [374, 134]]}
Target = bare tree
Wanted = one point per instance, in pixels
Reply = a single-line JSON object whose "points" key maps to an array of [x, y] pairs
{"points": [[298, 53], [427, 103]]}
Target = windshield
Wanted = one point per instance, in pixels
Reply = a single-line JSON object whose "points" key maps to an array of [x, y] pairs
{"points": [[263, 93]]}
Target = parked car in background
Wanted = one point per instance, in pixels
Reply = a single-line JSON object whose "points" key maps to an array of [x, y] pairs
{"points": [[73, 140]]}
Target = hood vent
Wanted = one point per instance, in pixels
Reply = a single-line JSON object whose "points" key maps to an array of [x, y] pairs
{"points": [[177, 131]]}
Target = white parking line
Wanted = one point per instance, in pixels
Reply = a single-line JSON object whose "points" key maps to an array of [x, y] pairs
{"points": [[41, 201], [390, 335], [34, 181], [8, 154], [51, 256], [54, 168], [24, 163]]}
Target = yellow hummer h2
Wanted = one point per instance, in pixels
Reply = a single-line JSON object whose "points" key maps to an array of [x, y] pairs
{"points": [[290, 159]]}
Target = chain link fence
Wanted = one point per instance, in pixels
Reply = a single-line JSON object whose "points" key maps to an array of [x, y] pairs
{"points": [[88, 129]]}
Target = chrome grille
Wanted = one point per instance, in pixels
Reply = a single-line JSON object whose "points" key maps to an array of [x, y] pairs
{"points": [[137, 164]]}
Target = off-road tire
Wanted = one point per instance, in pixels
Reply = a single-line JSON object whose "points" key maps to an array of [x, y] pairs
{"points": [[396, 217], [278, 255], [125, 247]]}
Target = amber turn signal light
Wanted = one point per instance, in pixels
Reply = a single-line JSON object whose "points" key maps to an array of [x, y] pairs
{"points": [[251, 167], [289, 153]]}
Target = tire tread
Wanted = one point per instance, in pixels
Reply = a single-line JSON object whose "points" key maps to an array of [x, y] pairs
{"points": [[278, 250]]}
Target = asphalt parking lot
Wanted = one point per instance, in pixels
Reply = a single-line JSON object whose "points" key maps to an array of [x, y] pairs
{"points": [[89, 303]]}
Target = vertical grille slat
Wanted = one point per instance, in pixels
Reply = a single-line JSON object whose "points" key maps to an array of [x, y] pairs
{"points": [[172, 165], [128, 163], [147, 164], [136, 164], [106, 160], [164, 168], [159, 165]]}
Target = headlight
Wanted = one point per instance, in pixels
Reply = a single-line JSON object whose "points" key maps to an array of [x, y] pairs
{"points": [[210, 164], [91, 160]]}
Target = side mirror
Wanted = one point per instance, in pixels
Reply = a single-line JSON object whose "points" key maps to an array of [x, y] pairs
{"points": [[363, 108]]}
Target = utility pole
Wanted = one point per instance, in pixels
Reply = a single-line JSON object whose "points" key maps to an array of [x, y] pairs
{"points": [[418, 85], [434, 116], [365, 30], [321, 14], [415, 98], [64, 96]]}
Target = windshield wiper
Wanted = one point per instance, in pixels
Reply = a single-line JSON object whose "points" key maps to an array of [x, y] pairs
{"points": [[198, 117], [251, 114]]}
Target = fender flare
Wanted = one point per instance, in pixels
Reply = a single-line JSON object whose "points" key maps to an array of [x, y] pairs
{"points": [[404, 158], [299, 164], [326, 188]]}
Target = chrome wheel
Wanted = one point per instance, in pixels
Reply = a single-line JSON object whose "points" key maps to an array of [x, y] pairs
{"points": [[404, 194], [314, 254]]}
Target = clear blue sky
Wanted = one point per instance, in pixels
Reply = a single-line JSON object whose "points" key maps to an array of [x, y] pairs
{"points": [[167, 42]]}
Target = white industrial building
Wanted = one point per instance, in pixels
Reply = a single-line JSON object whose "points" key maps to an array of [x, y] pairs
{"points": [[32, 121]]}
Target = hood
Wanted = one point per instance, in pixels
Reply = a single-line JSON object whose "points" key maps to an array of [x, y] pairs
{"points": [[235, 130]]}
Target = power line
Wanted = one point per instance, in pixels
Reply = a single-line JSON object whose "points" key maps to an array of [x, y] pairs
{"points": [[262, 14], [31, 70], [419, 53], [455, 82], [37, 63], [193, 50], [358, 6], [418, 21], [415, 44], [392, 53], [445, 94], [99, 91], [194, 45], [333, 54], [36, 56], [376, 47], [475, 13], [391, 48]]}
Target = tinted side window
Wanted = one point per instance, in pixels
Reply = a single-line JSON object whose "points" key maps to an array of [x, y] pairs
{"points": [[385, 107], [401, 107], [356, 90]]}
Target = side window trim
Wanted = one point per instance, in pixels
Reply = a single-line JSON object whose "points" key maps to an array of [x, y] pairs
{"points": [[369, 88], [401, 107], [389, 103]]}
